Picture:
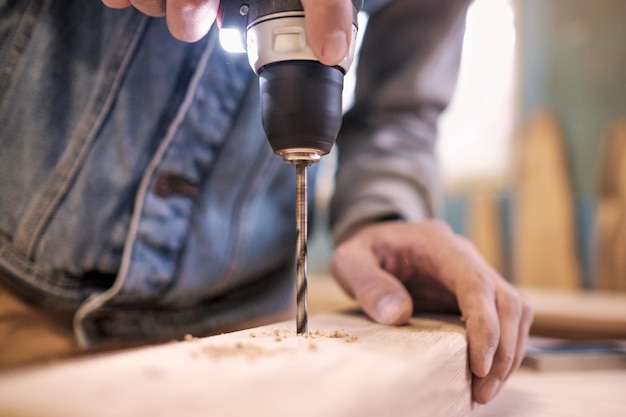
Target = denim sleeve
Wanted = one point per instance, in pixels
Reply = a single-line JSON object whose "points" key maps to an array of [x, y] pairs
{"points": [[407, 71]]}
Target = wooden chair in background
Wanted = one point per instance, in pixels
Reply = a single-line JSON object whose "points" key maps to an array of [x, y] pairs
{"points": [[544, 235]]}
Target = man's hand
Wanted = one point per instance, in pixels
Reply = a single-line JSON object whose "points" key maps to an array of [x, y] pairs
{"points": [[328, 22], [396, 268]]}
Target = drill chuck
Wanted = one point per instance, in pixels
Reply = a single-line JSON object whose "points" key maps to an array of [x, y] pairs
{"points": [[301, 105]]}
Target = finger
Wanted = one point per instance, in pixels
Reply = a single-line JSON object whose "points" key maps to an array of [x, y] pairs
{"points": [[117, 4], [477, 302], [154, 8], [510, 311], [190, 20], [328, 27], [380, 294], [475, 289], [524, 331]]}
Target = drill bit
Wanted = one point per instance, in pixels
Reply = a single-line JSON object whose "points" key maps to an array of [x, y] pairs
{"points": [[301, 158], [301, 247]]}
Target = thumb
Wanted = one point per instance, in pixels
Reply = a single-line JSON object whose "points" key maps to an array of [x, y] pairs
{"points": [[328, 27], [190, 22], [379, 293]]}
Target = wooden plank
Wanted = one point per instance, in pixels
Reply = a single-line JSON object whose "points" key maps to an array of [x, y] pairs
{"points": [[610, 227], [545, 243], [349, 366], [578, 314]]}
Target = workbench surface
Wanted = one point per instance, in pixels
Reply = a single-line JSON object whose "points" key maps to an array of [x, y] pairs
{"points": [[530, 393], [371, 370]]}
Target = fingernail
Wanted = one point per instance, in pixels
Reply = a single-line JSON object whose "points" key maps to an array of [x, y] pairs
{"points": [[389, 309], [335, 47], [489, 388]]}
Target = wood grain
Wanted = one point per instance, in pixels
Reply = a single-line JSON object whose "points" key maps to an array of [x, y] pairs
{"points": [[545, 241], [353, 367], [610, 227]]}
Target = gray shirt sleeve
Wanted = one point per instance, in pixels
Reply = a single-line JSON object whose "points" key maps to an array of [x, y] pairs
{"points": [[407, 71]]}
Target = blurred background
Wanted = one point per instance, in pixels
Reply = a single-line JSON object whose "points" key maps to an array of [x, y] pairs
{"points": [[533, 146]]}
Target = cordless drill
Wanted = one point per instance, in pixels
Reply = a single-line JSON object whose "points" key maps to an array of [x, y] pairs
{"points": [[301, 99]]}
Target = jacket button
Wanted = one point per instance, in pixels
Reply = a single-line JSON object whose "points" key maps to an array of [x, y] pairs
{"points": [[170, 183]]}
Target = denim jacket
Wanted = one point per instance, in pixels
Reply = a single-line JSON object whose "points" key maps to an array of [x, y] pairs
{"points": [[137, 187]]}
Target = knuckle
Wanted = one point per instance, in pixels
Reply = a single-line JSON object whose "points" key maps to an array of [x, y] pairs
{"points": [[528, 311], [467, 246], [489, 329], [439, 227], [439, 233], [482, 285], [507, 359], [492, 337], [514, 306], [517, 305]]}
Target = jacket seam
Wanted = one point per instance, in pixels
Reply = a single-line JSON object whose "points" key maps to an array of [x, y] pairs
{"points": [[43, 206], [99, 300], [19, 42], [66, 292]]}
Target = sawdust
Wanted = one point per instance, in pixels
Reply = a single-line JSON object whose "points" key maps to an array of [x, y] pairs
{"points": [[281, 334], [257, 349]]}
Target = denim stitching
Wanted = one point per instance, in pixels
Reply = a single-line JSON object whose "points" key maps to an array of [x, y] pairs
{"points": [[20, 41], [97, 301], [59, 291], [42, 208]]}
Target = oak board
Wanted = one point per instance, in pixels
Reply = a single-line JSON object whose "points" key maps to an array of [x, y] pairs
{"points": [[347, 366]]}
